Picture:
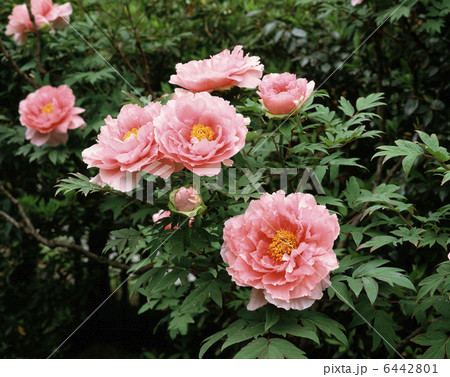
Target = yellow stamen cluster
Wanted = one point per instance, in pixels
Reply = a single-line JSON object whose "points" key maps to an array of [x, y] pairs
{"points": [[133, 132], [47, 109], [200, 132], [283, 243]]}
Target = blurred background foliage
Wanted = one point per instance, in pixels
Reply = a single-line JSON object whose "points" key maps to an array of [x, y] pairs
{"points": [[45, 294]]}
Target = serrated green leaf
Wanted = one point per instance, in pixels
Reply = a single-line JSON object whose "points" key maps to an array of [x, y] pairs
{"points": [[292, 328], [272, 317], [430, 338], [341, 291], [385, 330], [346, 107], [252, 350], [236, 326], [377, 242], [251, 331], [355, 285], [371, 288], [270, 352], [326, 324], [372, 100], [288, 350]]}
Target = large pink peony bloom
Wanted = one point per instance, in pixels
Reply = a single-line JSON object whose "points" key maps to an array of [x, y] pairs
{"points": [[283, 94], [282, 246], [126, 146], [44, 12], [201, 132], [220, 72], [48, 114]]}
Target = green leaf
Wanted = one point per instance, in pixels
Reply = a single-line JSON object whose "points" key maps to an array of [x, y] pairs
{"points": [[251, 331], [326, 324], [272, 317], [195, 300], [355, 285], [346, 107], [430, 284], [270, 352], [290, 326], [236, 326], [169, 279], [252, 350], [385, 330], [371, 288], [215, 293], [372, 100], [377, 242], [366, 268], [341, 291], [404, 148], [179, 324], [437, 351], [430, 338], [78, 182], [286, 129], [288, 350]]}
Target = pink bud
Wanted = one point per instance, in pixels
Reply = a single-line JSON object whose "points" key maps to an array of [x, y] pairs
{"points": [[187, 199]]}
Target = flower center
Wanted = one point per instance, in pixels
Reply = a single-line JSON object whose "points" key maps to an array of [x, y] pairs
{"points": [[200, 132], [48, 108], [283, 243], [133, 132]]}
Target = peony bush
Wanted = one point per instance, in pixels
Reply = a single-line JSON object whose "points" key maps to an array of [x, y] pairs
{"points": [[240, 209]]}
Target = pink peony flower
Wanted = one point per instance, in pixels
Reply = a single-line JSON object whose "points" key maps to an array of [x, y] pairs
{"points": [[283, 94], [282, 246], [44, 12], [220, 72], [126, 146], [201, 132], [356, 2], [48, 114]]}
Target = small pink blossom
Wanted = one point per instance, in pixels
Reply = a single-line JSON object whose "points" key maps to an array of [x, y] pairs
{"points": [[282, 246], [200, 132], [126, 146], [220, 72], [283, 94], [48, 114], [356, 2], [161, 214], [19, 24], [44, 12]]}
